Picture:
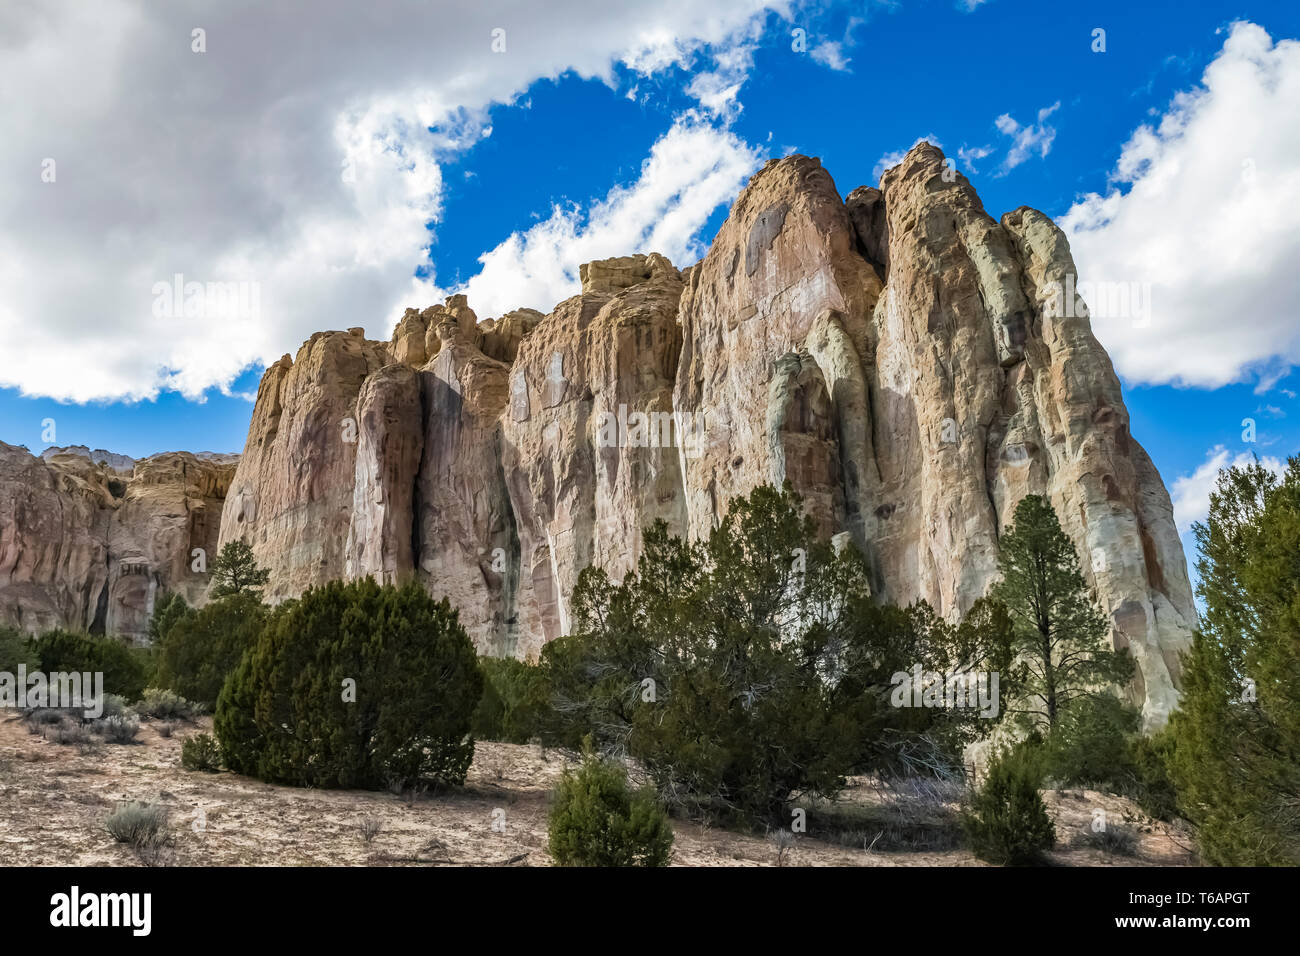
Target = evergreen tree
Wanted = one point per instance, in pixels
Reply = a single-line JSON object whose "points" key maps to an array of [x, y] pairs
{"points": [[1235, 758], [202, 647], [1059, 633], [354, 685], [235, 571], [169, 608], [748, 667]]}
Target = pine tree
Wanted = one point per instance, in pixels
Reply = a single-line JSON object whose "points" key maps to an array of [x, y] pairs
{"points": [[235, 571], [167, 611], [1059, 633], [1236, 736]]}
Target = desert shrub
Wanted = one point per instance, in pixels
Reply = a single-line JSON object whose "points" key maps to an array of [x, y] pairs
{"points": [[201, 648], [1116, 840], [1147, 782], [118, 730], [69, 730], [1091, 743], [513, 701], [114, 706], [354, 685], [166, 729], [16, 649], [161, 704], [1006, 822], [201, 752], [370, 828], [38, 718], [125, 671], [141, 825], [598, 820]]}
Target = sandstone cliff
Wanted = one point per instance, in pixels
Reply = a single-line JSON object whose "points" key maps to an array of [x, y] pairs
{"points": [[89, 547], [896, 355]]}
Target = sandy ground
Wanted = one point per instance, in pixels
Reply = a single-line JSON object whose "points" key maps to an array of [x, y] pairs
{"points": [[54, 800]]}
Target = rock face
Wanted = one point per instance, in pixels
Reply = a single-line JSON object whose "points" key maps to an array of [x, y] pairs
{"points": [[89, 547], [903, 358]]}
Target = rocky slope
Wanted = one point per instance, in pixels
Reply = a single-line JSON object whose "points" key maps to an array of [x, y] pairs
{"points": [[896, 355], [88, 546]]}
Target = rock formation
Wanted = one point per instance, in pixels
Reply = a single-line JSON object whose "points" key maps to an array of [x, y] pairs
{"points": [[88, 547], [903, 358]]}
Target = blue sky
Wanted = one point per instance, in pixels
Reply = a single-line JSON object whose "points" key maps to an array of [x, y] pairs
{"points": [[551, 153]]}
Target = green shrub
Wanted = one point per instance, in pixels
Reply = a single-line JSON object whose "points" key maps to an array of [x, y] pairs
{"points": [[164, 705], [514, 698], [354, 685], [1090, 745], [598, 820], [1006, 822], [15, 649], [125, 671], [201, 648], [201, 752], [1147, 782]]}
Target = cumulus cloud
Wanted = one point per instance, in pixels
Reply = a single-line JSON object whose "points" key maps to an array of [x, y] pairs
{"points": [[691, 170], [295, 163], [1027, 140], [1191, 493], [1209, 222]]}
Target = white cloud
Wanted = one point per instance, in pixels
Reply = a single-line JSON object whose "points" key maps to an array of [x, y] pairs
{"points": [[1027, 140], [1211, 220], [831, 54], [892, 159], [970, 156], [294, 153], [1191, 493], [691, 170]]}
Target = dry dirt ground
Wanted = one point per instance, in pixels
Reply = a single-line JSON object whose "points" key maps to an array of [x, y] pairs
{"points": [[54, 800]]}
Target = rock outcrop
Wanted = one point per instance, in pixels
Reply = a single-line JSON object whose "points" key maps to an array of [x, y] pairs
{"points": [[89, 547], [900, 356]]}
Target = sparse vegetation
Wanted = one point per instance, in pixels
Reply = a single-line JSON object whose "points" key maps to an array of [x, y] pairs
{"points": [[599, 820], [160, 704], [201, 752], [370, 828], [143, 827], [118, 730]]}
